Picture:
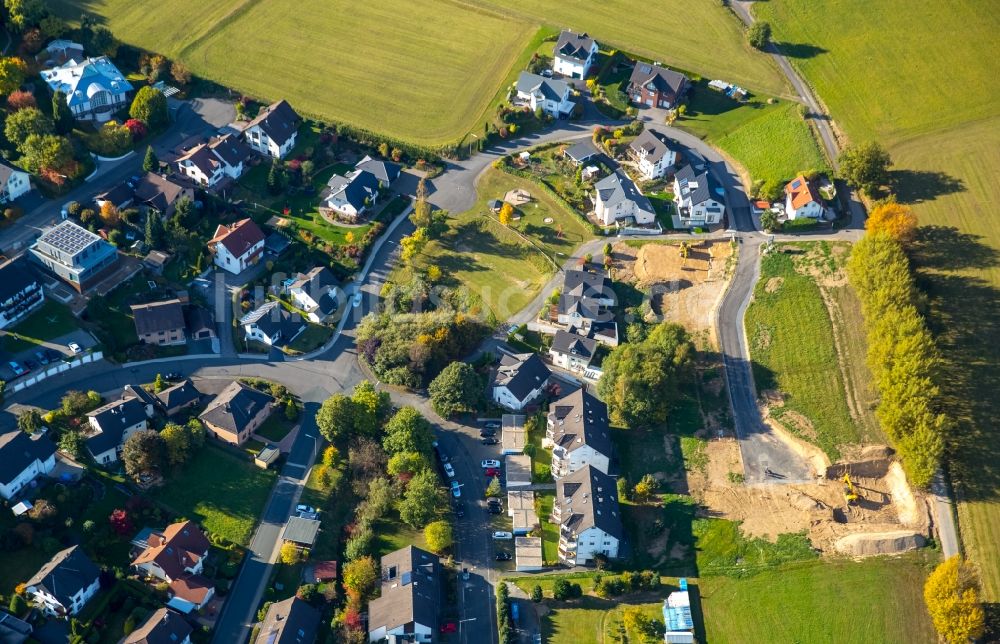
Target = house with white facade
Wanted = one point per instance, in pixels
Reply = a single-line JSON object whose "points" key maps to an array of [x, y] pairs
{"points": [[578, 432], [237, 247], [64, 585], [316, 294], [14, 181], [21, 293], [573, 54], [588, 515], [110, 426], [551, 95], [617, 198], [23, 458], [177, 556], [351, 196], [409, 605], [654, 153], [700, 200], [519, 379], [584, 306], [164, 626], [210, 164], [94, 87], [572, 351], [274, 130], [802, 199], [271, 324]]}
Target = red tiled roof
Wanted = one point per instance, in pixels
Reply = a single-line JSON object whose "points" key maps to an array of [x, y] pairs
{"points": [[192, 588], [802, 191], [237, 238], [180, 546]]}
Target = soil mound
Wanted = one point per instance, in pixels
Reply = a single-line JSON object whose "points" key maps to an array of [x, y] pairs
{"points": [[867, 544]]}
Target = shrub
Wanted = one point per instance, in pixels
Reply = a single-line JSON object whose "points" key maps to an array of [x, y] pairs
{"points": [[536, 594], [759, 34], [20, 100]]}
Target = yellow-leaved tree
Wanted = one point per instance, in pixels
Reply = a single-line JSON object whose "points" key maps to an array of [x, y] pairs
{"points": [[893, 219], [506, 214], [951, 593]]}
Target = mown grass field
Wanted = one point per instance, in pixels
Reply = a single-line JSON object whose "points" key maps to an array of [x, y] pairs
{"points": [[792, 348], [925, 86]]}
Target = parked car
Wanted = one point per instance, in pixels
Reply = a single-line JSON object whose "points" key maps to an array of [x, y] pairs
{"points": [[449, 627], [304, 508], [456, 489], [43, 357], [356, 301], [501, 534], [17, 369], [449, 470], [74, 347], [489, 440], [490, 462], [492, 425], [494, 509], [31, 364], [503, 556], [54, 355], [173, 375], [487, 433], [491, 471]]}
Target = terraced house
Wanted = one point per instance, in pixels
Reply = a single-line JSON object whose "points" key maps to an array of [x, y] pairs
{"points": [[579, 434], [589, 517]]}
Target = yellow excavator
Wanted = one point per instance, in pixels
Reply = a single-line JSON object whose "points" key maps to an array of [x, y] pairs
{"points": [[850, 492]]}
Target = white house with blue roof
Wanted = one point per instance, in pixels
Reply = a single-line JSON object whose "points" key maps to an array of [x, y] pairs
{"points": [[94, 88]]}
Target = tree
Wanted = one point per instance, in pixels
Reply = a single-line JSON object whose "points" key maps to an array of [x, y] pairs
{"points": [[407, 463], [17, 605], [408, 431], [62, 116], [150, 107], [109, 215], [438, 535], [330, 456], [276, 177], [422, 499], [45, 152], [493, 488], [291, 410], [120, 522], [19, 100], [413, 244], [646, 487], [103, 41], [143, 452], [893, 219], [154, 230], [150, 163], [951, 593], [24, 13], [196, 433], [536, 593], [53, 26], [74, 403], [360, 577], [23, 123], [177, 439], [335, 417], [180, 72], [506, 215], [769, 221], [561, 590], [290, 554], [433, 273], [456, 388], [865, 166], [29, 420], [372, 407], [759, 34], [72, 443]]}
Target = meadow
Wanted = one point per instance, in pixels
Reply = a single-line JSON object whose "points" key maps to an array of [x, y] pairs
{"points": [[925, 86]]}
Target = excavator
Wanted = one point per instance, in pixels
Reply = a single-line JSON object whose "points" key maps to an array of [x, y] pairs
{"points": [[850, 492]]}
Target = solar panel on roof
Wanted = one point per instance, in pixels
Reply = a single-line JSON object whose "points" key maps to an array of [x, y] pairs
{"points": [[796, 184]]}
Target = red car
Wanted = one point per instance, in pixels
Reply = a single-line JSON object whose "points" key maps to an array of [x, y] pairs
{"points": [[449, 627], [492, 471]]}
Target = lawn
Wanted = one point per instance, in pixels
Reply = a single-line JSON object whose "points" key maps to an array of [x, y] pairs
{"points": [[224, 493], [550, 531], [791, 345], [275, 427], [50, 321], [311, 339]]}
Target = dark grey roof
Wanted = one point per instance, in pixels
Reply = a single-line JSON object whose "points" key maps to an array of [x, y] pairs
{"points": [[384, 171], [582, 151], [652, 144], [697, 187], [231, 149], [158, 191], [581, 290], [179, 395], [618, 187], [198, 318], [273, 319], [113, 419], [66, 574], [119, 195], [551, 88], [357, 186], [12, 629], [154, 317], [15, 276], [18, 451], [301, 530], [319, 284], [572, 46], [662, 79], [235, 407], [521, 373], [292, 621], [135, 391], [574, 344], [579, 419], [164, 626], [411, 590], [588, 498], [278, 121]]}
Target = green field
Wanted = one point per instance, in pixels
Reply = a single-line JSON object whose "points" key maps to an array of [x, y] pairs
{"points": [[223, 493], [791, 344]]}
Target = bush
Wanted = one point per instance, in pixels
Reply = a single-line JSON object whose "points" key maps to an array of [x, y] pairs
{"points": [[759, 34]]}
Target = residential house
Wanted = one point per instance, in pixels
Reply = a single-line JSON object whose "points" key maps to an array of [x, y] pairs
{"points": [[617, 198], [111, 425], [23, 458], [585, 299], [579, 434], [200, 322], [161, 193], [292, 621], [149, 402], [274, 130], [700, 200], [164, 626], [60, 51], [179, 397], [75, 255], [271, 324], [159, 323], [14, 630], [236, 413], [94, 87], [589, 518], [64, 585], [580, 153], [177, 556], [573, 54], [385, 171], [550, 95], [410, 601], [120, 196], [14, 181], [802, 199], [20, 292], [316, 293], [572, 351], [655, 86], [351, 196], [210, 164], [519, 379], [654, 153], [237, 247]]}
